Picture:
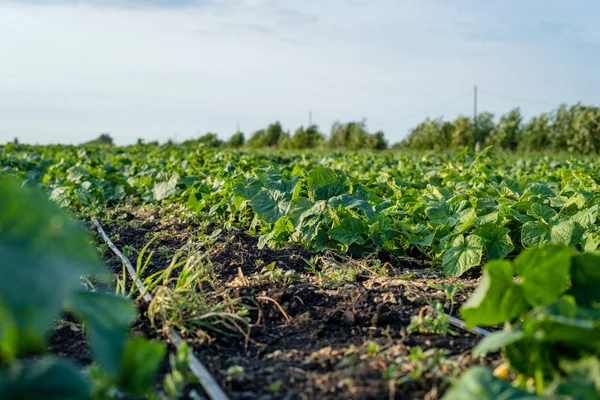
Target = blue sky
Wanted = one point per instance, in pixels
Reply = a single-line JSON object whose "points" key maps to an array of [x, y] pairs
{"points": [[157, 69]]}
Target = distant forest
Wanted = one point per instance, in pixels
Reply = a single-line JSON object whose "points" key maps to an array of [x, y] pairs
{"points": [[574, 129]]}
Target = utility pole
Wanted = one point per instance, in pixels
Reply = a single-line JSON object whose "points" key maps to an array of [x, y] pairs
{"points": [[475, 125], [238, 127], [309, 118]]}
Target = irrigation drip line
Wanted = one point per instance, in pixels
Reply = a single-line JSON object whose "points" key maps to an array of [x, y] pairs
{"points": [[460, 324], [209, 384]]}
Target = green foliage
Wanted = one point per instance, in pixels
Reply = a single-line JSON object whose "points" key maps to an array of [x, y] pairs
{"points": [[103, 139], [303, 138], [44, 255], [266, 138], [479, 383], [552, 329], [574, 129], [458, 209], [354, 136], [507, 133], [236, 140], [210, 140]]}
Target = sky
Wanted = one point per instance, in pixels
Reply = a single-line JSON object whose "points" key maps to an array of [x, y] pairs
{"points": [[176, 69]]}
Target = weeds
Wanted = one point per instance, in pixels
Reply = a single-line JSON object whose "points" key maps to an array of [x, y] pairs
{"points": [[430, 322]]}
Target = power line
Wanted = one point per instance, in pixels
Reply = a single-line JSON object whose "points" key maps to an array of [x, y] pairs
{"points": [[513, 98], [429, 110]]}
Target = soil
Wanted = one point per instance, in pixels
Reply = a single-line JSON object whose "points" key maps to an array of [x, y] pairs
{"points": [[320, 332]]}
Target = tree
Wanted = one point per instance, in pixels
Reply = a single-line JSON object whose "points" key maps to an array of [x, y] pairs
{"points": [[308, 138], [354, 136], [210, 140], [103, 139], [376, 141], [507, 134], [432, 134], [462, 132], [236, 141], [266, 138], [484, 127], [536, 134]]}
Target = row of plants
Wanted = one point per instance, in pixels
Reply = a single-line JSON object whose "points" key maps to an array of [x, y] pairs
{"points": [[458, 209]]}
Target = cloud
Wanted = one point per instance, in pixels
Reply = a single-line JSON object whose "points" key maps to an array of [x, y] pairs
{"points": [[139, 68], [126, 4]]}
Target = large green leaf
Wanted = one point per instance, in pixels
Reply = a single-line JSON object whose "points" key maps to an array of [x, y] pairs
{"points": [[297, 207], [44, 379], [444, 213], [44, 253], [535, 233], [349, 231], [350, 202], [544, 272], [496, 240], [496, 341], [166, 189], [270, 205], [325, 183], [107, 318], [545, 213], [479, 383], [464, 254], [585, 279], [564, 323], [583, 381], [497, 298], [141, 361]]}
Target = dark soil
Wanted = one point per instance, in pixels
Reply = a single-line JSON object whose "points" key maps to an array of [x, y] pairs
{"points": [[320, 334]]}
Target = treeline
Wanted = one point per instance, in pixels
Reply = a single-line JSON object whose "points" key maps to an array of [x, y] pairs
{"points": [[575, 129], [351, 135]]}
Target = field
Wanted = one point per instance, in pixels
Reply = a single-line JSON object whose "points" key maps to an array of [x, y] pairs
{"points": [[330, 274]]}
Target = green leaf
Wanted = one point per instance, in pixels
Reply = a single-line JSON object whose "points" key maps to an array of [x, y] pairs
{"points": [[563, 232], [163, 190], [497, 298], [496, 240], [107, 318], [349, 231], [140, 364], [590, 241], [535, 233], [297, 207], [467, 219], [479, 383], [564, 323], [544, 272], [351, 202], [45, 251], [583, 379], [283, 226], [585, 279], [545, 213], [325, 183], [464, 254], [496, 341], [44, 379], [248, 189], [9, 336], [586, 218], [444, 213], [77, 174], [270, 205]]}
